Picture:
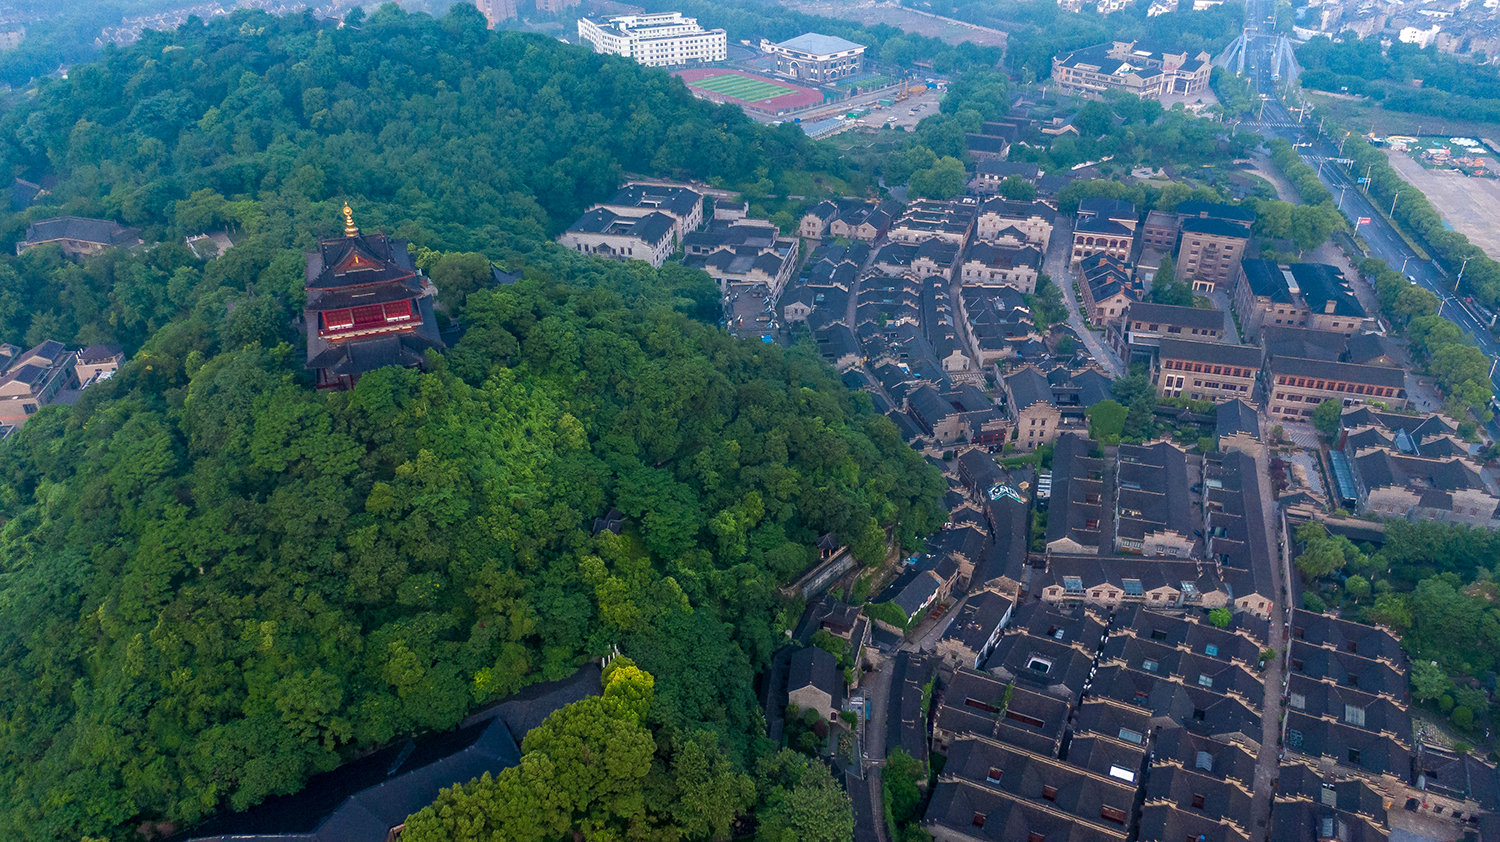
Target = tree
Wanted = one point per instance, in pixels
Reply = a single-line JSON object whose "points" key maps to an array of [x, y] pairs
{"points": [[1314, 603], [1220, 617], [1358, 588], [1165, 290], [899, 783], [1106, 422], [1018, 189], [1463, 718], [944, 180], [1327, 417], [799, 800]]}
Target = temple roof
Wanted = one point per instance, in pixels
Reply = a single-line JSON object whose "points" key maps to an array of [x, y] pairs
{"points": [[359, 260]]}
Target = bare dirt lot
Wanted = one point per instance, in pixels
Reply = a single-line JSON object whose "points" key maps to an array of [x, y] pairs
{"points": [[1470, 205], [869, 13]]}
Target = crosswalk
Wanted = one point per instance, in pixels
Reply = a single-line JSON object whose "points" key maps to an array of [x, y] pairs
{"points": [[1270, 124]]}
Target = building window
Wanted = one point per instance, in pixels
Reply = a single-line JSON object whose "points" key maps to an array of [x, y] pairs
{"points": [[1122, 773], [1022, 718], [1354, 715], [1073, 584], [1149, 666], [1111, 814], [994, 775], [1039, 665], [979, 819], [1353, 756], [1035, 837], [1130, 736], [1205, 761], [1298, 701], [1197, 802], [1211, 651], [1049, 793], [1294, 738], [1205, 680]]}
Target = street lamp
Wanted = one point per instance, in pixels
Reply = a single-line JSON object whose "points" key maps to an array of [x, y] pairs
{"points": [[1461, 274], [1403, 263], [1393, 205], [1341, 196]]}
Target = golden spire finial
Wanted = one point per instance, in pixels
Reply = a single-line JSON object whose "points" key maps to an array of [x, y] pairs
{"points": [[349, 229]]}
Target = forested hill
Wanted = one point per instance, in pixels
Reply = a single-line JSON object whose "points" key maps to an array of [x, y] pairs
{"points": [[217, 581]]}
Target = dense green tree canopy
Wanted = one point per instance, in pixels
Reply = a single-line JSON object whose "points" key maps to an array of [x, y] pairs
{"points": [[217, 581]]}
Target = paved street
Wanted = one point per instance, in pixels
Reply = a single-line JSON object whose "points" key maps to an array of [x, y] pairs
{"points": [[1270, 715], [1058, 250], [878, 690]]}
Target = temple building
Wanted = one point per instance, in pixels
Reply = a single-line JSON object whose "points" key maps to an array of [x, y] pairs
{"points": [[367, 307]]}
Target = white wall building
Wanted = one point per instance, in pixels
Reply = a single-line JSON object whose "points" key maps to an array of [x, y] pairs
{"points": [[655, 40]]}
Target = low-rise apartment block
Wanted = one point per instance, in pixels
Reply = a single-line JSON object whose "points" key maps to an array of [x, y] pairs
{"points": [[1005, 221], [1205, 370], [1307, 295], [1107, 288], [1153, 512], [990, 265], [1296, 386], [928, 219], [1104, 226], [745, 252], [1033, 409], [1210, 253]]}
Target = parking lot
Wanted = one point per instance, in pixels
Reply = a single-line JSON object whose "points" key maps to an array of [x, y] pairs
{"points": [[904, 114], [746, 314]]}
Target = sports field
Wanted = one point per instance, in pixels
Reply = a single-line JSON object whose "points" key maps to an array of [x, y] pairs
{"points": [[743, 88]]}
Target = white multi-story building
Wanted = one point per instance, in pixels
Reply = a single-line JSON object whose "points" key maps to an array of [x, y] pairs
{"points": [[655, 40]]}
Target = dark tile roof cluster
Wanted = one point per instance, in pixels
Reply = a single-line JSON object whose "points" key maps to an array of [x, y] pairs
{"points": [[975, 703], [976, 622], [1235, 417], [990, 790], [1233, 520], [1368, 349], [1003, 257], [651, 228], [1352, 748], [905, 719], [1006, 555], [1103, 208], [1265, 280], [894, 299], [1167, 314], [1196, 709], [1313, 629], [1213, 353], [1028, 387], [1100, 225], [1349, 706], [978, 470], [1459, 776], [101, 231], [836, 342], [1305, 821], [1010, 209], [934, 217], [999, 319], [1347, 670], [1432, 435], [1285, 341], [1217, 674], [1005, 169], [1077, 512], [1152, 491], [1324, 289], [1238, 643], [1383, 468], [813, 666], [1078, 389], [678, 201], [1048, 650], [727, 234]]}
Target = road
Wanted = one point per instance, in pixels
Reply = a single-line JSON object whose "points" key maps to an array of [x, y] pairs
{"points": [[1319, 152], [1059, 249], [1268, 760]]}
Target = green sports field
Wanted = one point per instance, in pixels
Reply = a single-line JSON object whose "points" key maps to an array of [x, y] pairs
{"points": [[742, 88]]}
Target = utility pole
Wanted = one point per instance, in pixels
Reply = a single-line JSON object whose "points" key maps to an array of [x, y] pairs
{"points": [[1461, 274], [1393, 205], [1341, 196], [1341, 144]]}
